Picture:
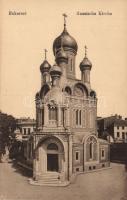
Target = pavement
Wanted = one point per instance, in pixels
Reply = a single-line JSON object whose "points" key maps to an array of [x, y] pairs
{"points": [[108, 184]]}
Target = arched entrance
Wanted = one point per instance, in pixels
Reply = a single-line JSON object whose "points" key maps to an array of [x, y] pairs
{"points": [[52, 157]]}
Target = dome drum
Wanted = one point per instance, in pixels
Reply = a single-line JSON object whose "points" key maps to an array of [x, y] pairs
{"points": [[55, 71], [61, 56]]}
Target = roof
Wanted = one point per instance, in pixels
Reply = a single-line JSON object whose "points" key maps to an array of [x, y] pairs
{"points": [[102, 141]]}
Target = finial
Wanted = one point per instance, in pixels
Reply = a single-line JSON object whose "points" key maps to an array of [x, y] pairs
{"points": [[64, 14], [45, 53], [86, 51]]}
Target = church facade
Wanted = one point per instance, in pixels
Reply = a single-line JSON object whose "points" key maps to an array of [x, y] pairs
{"points": [[66, 141]]}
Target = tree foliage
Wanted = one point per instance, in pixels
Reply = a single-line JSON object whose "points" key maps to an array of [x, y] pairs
{"points": [[7, 127]]}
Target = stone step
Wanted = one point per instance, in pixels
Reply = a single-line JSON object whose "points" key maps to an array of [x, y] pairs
{"points": [[50, 175], [48, 183]]}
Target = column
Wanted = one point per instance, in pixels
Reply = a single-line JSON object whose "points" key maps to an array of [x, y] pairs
{"points": [[46, 113], [40, 117], [67, 117], [59, 116], [70, 155]]}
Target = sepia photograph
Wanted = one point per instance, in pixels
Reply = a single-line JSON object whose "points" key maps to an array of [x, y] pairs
{"points": [[63, 100]]}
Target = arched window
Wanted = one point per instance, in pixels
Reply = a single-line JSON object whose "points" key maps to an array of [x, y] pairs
{"points": [[68, 90], [91, 149], [52, 146], [62, 116], [52, 113], [78, 117], [71, 65]]}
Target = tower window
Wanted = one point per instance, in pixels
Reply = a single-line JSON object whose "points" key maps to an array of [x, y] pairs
{"points": [[77, 155], [71, 65], [78, 117], [62, 113], [53, 113], [102, 153]]}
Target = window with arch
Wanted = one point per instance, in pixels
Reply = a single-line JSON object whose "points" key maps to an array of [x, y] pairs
{"points": [[68, 90], [78, 117], [52, 146], [91, 149], [102, 153], [52, 113], [71, 65]]}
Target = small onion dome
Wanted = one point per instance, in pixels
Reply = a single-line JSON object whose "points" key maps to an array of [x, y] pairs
{"points": [[45, 66], [61, 56], [85, 64], [67, 41], [55, 70]]}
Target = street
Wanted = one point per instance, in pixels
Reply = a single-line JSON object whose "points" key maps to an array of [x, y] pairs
{"points": [[108, 184]]}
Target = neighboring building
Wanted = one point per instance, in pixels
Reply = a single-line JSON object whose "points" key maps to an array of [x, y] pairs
{"points": [[113, 128], [66, 140], [26, 127]]}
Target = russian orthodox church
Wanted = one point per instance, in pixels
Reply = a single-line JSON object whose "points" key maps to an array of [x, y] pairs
{"points": [[65, 142]]}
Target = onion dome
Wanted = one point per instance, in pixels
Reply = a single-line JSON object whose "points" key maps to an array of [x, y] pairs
{"points": [[55, 70], [45, 66], [65, 40], [85, 64]]}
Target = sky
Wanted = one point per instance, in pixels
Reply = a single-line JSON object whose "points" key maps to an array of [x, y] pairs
{"points": [[24, 38]]}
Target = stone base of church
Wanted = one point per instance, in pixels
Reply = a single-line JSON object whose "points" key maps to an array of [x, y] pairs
{"points": [[49, 180]]}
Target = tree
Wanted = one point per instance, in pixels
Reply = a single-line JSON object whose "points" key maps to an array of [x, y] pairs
{"points": [[7, 127]]}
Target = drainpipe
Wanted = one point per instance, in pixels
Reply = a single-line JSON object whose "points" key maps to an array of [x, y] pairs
{"points": [[83, 159], [68, 159]]}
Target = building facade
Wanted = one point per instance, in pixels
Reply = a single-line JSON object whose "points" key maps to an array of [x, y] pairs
{"points": [[66, 140], [25, 127], [113, 128]]}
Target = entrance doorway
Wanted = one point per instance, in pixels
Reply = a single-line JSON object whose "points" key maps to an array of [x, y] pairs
{"points": [[52, 162]]}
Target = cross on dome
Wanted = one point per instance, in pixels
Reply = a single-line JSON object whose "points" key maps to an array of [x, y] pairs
{"points": [[45, 50], [86, 51], [65, 16]]}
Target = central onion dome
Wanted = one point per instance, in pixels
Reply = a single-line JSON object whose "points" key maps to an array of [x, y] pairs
{"points": [[66, 41]]}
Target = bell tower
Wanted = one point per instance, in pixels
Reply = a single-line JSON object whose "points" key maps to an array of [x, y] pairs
{"points": [[45, 68], [85, 67]]}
